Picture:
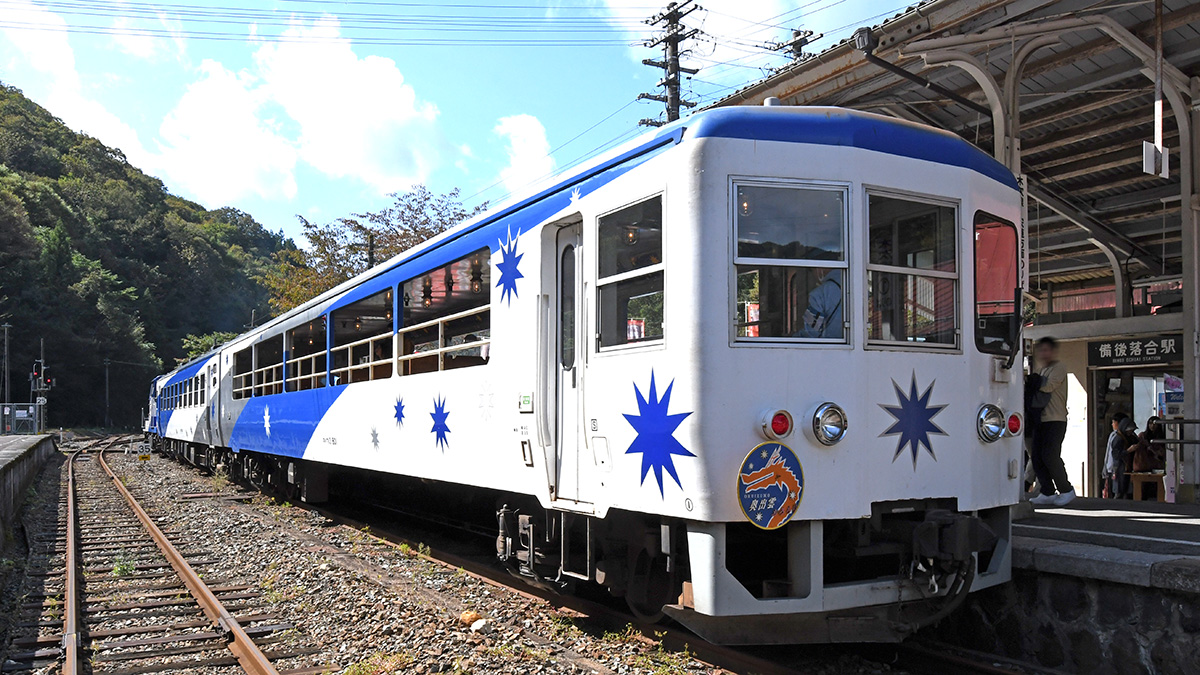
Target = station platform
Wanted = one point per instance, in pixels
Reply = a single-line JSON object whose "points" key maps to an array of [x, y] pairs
{"points": [[20, 459], [1141, 543]]}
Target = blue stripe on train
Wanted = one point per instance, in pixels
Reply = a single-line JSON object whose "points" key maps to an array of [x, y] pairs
{"points": [[292, 418]]}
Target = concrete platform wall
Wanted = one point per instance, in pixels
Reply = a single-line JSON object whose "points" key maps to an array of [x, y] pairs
{"points": [[1083, 625], [18, 469]]}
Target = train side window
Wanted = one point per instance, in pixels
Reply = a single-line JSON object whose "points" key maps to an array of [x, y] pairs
{"points": [[268, 373], [912, 272], [790, 261], [362, 340], [447, 316], [243, 374], [996, 283], [306, 356], [631, 274]]}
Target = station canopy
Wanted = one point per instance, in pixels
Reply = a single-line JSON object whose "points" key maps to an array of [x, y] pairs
{"points": [[1063, 92]]}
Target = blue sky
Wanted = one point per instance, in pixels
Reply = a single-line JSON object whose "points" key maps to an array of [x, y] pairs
{"points": [[320, 109]]}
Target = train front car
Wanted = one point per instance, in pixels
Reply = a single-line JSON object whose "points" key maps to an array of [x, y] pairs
{"points": [[805, 360], [757, 370]]}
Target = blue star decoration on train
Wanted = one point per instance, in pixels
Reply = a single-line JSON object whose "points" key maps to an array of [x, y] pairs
{"points": [[508, 266], [439, 416], [400, 411], [914, 420], [655, 429]]}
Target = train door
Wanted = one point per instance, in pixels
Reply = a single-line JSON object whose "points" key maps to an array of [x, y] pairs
{"points": [[214, 404], [569, 326]]}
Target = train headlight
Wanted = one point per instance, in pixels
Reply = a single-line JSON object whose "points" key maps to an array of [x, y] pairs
{"points": [[776, 424], [829, 423], [990, 423]]}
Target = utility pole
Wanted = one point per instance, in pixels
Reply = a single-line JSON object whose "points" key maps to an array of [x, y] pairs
{"points": [[674, 32], [6, 398], [107, 421], [800, 39]]}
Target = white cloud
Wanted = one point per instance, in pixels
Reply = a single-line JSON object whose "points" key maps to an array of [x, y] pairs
{"points": [[528, 151], [234, 134], [356, 116], [216, 144]]}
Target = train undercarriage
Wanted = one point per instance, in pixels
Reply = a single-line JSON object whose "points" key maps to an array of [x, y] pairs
{"points": [[923, 553]]}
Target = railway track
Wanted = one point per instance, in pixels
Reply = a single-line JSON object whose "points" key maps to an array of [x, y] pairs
{"points": [[603, 615], [909, 657], [118, 597]]}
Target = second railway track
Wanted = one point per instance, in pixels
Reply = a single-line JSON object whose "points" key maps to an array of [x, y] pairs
{"points": [[119, 597]]}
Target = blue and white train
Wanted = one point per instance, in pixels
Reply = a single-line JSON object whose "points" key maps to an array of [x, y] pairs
{"points": [[753, 370]]}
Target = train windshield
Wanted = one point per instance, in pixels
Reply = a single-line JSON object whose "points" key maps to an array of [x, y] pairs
{"points": [[790, 261]]}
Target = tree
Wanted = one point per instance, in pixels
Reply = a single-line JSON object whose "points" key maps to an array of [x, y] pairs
{"points": [[340, 250], [99, 261], [198, 345]]}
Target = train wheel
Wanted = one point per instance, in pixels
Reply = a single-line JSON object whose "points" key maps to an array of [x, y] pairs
{"points": [[649, 587]]}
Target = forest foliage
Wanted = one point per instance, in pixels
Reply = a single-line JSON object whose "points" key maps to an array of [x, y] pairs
{"points": [[101, 262]]}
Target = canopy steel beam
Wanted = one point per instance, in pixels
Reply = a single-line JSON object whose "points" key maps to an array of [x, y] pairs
{"points": [[1104, 235]]}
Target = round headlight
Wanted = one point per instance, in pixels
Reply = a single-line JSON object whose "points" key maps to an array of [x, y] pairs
{"points": [[990, 423], [829, 423]]}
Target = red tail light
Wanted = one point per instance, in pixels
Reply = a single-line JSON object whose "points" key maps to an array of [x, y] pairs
{"points": [[781, 424], [1014, 424]]}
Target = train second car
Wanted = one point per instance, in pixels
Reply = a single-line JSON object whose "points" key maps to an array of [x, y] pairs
{"points": [[753, 371]]}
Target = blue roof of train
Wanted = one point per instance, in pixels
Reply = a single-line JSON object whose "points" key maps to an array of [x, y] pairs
{"points": [[848, 128]]}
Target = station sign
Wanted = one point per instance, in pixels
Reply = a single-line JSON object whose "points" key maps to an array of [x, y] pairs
{"points": [[1139, 351]]}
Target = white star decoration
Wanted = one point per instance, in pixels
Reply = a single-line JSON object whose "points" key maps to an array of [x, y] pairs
{"points": [[267, 420], [487, 401], [575, 195]]}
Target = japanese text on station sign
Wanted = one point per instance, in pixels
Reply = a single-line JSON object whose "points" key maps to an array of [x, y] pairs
{"points": [[1136, 351]]}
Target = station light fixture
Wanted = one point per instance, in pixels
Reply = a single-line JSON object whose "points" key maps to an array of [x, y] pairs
{"points": [[990, 423], [829, 423]]}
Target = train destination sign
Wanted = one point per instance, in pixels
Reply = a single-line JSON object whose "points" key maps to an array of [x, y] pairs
{"points": [[1142, 351]]}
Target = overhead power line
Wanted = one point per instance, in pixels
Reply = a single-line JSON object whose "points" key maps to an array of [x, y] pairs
{"points": [[296, 38]]}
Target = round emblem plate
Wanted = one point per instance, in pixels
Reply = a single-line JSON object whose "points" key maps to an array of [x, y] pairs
{"points": [[770, 485]]}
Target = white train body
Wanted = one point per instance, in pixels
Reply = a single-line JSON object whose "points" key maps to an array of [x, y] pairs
{"points": [[559, 384]]}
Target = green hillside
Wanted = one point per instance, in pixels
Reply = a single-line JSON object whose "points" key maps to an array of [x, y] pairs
{"points": [[100, 261]]}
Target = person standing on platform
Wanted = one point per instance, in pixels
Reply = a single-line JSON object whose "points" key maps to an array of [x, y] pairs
{"points": [[1052, 429], [1114, 458]]}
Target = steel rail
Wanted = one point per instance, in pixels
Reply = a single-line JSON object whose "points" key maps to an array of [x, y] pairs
{"points": [[72, 659], [70, 641], [249, 656]]}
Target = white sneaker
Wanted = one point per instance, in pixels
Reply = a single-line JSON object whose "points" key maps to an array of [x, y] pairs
{"points": [[1064, 498], [1043, 500]]}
